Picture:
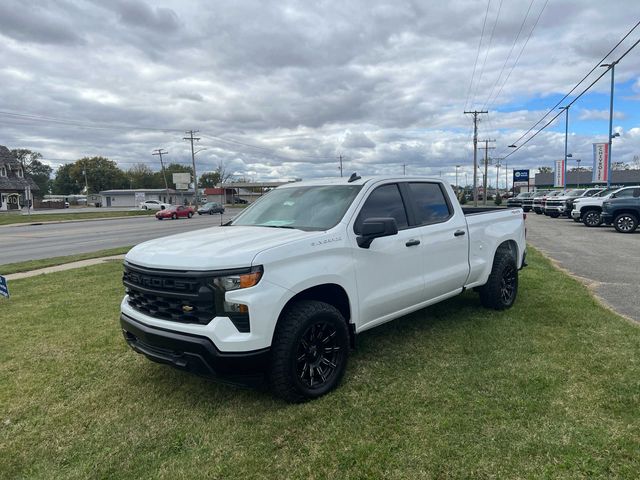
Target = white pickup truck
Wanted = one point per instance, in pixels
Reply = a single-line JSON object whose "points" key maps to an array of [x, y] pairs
{"points": [[281, 291], [589, 210]]}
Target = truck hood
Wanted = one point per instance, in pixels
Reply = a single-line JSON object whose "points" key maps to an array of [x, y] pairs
{"points": [[215, 248]]}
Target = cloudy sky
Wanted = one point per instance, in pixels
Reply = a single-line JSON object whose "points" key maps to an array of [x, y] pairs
{"points": [[279, 89]]}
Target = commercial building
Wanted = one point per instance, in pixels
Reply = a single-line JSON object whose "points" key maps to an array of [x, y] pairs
{"points": [[583, 179], [134, 197]]}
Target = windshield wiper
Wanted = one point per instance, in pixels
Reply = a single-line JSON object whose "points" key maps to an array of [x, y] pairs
{"points": [[278, 226]]}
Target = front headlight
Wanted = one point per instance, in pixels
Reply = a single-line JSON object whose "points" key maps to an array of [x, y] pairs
{"points": [[239, 280]]}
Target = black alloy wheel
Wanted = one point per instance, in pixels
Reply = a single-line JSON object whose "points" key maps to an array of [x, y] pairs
{"points": [[309, 351], [625, 223], [592, 218], [508, 284]]}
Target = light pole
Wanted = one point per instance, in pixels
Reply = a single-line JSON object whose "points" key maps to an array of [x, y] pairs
{"points": [[457, 167], [612, 67], [566, 134], [578, 160], [506, 175]]}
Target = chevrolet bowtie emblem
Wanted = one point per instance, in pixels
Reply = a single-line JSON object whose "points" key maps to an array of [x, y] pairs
{"points": [[187, 308]]}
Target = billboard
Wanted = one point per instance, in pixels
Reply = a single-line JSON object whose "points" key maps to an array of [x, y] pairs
{"points": [[182, 180], [520, 178], [600, 163], [558, 174]]}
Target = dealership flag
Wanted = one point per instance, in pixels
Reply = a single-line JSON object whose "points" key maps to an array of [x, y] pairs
{"points": [[4, 289], [558, 174], [600, 163]]}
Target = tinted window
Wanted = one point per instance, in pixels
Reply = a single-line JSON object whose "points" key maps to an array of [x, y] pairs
{"points": [[385, 201], [625, 193], [431, 203]]}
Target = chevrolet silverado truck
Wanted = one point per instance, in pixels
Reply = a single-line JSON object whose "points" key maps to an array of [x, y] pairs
{"points": [[623, 212], [563, 204], [281, 292], [589, 210]]}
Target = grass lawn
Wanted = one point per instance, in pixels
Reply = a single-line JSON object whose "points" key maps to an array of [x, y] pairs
{"points": [[548, 389], [11, 219], [10, 268]]}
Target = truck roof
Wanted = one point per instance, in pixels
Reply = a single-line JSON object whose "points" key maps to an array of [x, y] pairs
{"points": [[359, 181]]}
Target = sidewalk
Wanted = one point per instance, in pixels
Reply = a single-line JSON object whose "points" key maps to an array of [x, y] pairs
{"points": [[63, 267]]}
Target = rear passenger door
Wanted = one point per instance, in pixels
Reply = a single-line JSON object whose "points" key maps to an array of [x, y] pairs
{"points": [[389, 274], [444, 237]]}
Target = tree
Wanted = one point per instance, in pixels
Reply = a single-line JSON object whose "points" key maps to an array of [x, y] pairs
{"points": [[141, 176], [545, 169], [101, 174], [38, 171], [64, 183]]}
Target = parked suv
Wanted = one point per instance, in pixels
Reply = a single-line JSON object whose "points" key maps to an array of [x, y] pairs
{"points": [[623, 212], [562, 204], [590, 209]]}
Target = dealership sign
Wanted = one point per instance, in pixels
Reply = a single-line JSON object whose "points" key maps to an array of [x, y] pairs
{"points": [[558, 174], [520, 178], [600, 163]]}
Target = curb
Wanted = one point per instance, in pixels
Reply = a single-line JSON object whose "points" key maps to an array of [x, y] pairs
{"points": [[53, 222], [64, 266]]}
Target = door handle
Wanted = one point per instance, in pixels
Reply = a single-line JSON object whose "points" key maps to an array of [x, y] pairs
{"points": [[412, 243], [459, 233]]}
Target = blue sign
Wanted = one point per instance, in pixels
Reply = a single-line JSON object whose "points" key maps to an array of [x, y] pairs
{"points": [[4, 289], [521, 176]]}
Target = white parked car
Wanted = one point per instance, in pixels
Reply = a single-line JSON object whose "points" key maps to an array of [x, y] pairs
{"points": [[154, 205], [283, 289]]}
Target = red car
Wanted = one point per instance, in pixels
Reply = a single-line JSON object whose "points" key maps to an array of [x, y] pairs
{"points": [[174, 212]]}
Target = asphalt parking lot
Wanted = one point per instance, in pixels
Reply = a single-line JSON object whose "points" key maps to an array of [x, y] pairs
{"points": [[607, 261]]}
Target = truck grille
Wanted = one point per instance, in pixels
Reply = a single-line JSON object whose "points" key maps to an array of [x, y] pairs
{"points": [[184, 297], [555, 203]]}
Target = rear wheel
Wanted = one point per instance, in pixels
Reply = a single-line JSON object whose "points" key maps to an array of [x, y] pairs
{"points": [[625, 223], [592, 218], [309, 352], [501, 288]]}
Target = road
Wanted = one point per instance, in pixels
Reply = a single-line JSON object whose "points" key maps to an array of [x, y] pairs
{"points": [[33, 242], [605, 260]]}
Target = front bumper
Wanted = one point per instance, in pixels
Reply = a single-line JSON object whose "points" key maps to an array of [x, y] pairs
{"points": [[195, 354], [575, 214], [554, 209]]}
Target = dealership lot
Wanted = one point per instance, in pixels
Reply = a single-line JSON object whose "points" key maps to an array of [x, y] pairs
{"points": [[605, 260]]}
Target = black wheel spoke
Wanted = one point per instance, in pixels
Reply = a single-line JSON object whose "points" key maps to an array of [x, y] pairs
{"points": [[318, 354]]}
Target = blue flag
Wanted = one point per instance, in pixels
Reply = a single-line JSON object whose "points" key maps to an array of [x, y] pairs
{"points": [[4, 289]]}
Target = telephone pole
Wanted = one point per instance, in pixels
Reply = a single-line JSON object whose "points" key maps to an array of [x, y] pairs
{"points": [[404, 169], [498, 165], [340, 158], [475, 114], [159, 152], [191, 138], [486, 168]]}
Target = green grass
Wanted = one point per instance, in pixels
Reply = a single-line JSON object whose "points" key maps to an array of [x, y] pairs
{"points": [[548, 389], [12, 218], [10, 268]]}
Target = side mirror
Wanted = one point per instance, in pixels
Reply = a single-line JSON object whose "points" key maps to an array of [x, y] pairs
{"points": [[373, 228]]}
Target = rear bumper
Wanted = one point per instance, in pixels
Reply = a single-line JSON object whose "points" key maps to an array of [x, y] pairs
{"points": [[194, 353]]}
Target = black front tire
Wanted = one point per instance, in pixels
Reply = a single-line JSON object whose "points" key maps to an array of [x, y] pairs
{"points": [[625, 223], [592, 218], [554, 215], [309, 351], [501, 289]]}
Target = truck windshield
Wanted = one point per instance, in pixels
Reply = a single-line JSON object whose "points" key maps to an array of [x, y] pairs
{"points": [[318, 207]]}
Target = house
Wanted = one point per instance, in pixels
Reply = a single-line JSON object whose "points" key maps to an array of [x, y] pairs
{"points": [[134, 197], [16, 187]]}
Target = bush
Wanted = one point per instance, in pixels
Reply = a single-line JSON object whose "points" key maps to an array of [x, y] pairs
{"points": [[498, 200], [462, 198]]}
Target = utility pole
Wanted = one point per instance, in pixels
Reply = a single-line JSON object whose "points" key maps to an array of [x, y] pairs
{"points": [[340, 167], [475, 114], [404, 169], [497, 175], [612, 67], [486, 168], [566, 135], [159, 152], [191, 138], [86, 183]]}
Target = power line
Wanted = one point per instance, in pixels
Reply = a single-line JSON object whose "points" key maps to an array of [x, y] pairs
{"points": [[520, 53], [504, 65], [486, 55], [552, 109], [475, 64]]}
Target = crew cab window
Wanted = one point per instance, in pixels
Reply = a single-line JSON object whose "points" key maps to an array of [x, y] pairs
{"points": [[629, 192], [384, 201], [431, 202]]}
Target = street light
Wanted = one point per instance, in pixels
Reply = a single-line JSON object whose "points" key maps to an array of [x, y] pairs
{"points": [[457, 167]]}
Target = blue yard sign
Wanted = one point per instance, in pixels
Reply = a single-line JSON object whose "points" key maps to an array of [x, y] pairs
{"points": [[4, 289]]}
